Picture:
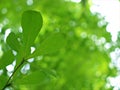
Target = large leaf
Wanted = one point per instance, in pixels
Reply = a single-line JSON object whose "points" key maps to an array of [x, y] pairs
{"points": [[31, 24], [6, 59], [50, 45], [37, 77], [13, 42]]}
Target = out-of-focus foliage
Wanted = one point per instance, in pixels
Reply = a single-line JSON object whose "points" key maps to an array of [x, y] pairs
{"points": [[83, 64]]}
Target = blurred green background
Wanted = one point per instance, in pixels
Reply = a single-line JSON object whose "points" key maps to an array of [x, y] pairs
{"points": [[83, 64]]}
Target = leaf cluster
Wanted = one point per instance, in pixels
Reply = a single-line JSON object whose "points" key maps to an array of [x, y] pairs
{"points": [[31, 25]]}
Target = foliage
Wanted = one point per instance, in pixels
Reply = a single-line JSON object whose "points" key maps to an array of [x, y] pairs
{"points": [[69, 50]]}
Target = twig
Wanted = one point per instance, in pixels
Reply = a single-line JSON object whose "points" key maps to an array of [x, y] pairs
{"points": [[8, 81]]}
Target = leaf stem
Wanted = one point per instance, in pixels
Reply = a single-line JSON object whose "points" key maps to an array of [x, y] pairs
{"points": [[8, 81]]}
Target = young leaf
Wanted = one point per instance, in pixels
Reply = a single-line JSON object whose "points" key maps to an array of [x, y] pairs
{"points": [[50, 45], [13, 42], [6, 59], [31, 23], [37, 77]]}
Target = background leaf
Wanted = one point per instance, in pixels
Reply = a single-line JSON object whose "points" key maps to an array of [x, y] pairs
{"points": [[31, 24], [6, 59], [13, 42]]}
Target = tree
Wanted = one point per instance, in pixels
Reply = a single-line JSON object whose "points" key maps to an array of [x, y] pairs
{"points": [[69, 50]]}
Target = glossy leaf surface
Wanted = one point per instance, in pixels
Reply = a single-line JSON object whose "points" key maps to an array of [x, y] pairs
{"points": [[31, 24]]}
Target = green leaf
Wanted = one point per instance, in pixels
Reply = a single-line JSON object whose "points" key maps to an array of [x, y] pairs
{"points": [[13, 42], [3, 80], [31, 23], [37, 77], [50, 45], [6, 59]]}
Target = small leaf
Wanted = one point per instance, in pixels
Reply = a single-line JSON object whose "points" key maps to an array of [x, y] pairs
{"points": [[37, 77], [6, 59], [31, 23], [13, 42], [50, 45]]}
